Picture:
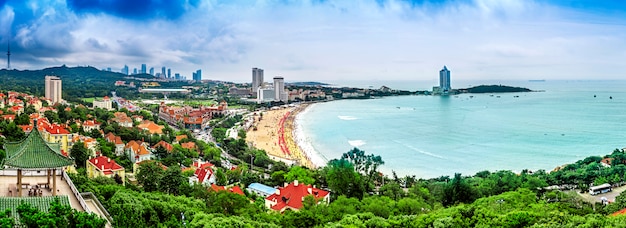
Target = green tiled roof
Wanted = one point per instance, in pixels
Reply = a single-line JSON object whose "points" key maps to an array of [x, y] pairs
{"points": [[34, 152]]}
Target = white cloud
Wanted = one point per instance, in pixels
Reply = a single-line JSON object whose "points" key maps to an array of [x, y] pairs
{"points": [[347, 40]]}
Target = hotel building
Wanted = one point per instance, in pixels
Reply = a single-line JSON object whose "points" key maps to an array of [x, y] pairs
{"points": [[444, 80], [53, 89]]}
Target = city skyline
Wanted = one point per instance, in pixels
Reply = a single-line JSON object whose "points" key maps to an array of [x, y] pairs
{"points": [[324, 39]]}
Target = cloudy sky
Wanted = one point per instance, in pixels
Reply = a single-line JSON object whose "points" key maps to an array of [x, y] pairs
{"points": [[324, 39]]}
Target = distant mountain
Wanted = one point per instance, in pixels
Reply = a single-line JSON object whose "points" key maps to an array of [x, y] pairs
{"points": [[78, 82], [308, 84]]}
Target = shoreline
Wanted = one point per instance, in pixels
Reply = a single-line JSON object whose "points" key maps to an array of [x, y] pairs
{"points": [[280, 135]]}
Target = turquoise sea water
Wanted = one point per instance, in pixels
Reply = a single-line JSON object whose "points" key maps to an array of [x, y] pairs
{"points": [[430, 136]]}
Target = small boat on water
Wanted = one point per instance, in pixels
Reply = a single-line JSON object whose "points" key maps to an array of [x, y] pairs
{"points": [[471, 96], [515, 96]]}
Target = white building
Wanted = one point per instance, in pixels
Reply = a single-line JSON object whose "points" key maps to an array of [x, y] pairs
{"points": [[279, 89], [257, 79], [444, 80], [53, 89], [265, 95], [104, 103]]}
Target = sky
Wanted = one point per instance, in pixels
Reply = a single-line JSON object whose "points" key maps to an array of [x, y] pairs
{"points": [[324, 40]]}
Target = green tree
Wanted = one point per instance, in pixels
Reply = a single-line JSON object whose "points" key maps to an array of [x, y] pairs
{"points": [[149, 176], [343, 179], [299, 173], [80, 154], [171, 180]]}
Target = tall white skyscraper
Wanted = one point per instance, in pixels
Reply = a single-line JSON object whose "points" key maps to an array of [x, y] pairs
{"points": [[257, 79], [53, 89], [444, 80], [125, 70], [143, 68], [279, 89]]}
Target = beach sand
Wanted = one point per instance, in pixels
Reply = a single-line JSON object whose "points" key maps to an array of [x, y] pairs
{"points": [[267, 135]]}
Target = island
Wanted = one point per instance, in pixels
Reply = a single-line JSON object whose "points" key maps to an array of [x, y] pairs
{"points": [[494, 89]]}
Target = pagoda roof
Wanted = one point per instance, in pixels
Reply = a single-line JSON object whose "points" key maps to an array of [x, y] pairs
{"points": [[34, 152]]}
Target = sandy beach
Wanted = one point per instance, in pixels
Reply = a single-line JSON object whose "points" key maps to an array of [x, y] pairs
{"points": [[273, 131]]}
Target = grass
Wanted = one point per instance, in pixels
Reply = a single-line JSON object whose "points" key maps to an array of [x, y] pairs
{"points": [[200, 102], [89, 100]]}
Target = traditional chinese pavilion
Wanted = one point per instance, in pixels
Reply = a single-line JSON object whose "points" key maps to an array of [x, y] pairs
{"points": [[35, 154]]}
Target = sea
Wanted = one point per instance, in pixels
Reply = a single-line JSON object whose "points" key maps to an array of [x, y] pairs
{"points": [[433, 136]]}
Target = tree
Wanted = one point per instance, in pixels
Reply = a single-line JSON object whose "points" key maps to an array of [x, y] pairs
{"points": [[160, 152], [220, 177], [365, 164], [299, 173], [171, 180], [149, 176], [80, 154], [343, 179]]}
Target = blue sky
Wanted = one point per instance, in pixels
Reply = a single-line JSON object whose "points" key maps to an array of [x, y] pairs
{"points": [[324, 40]]}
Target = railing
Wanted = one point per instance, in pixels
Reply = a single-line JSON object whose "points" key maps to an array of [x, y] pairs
{"points": [[99, 205], [80, 198]]}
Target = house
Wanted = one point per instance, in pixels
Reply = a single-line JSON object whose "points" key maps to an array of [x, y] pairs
{"points": [[17, 109], [203, 174], [119, 144], [89, 125], [235, 189], [90, 143], [56, 133], [189, 145], [151, 127], [122, 119], [104, 166], [137, 151], [9, 117], [163, 144], [180, 137], [606, 162], [291, 196], [261, 189]]}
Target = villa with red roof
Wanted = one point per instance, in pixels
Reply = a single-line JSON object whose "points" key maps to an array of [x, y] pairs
{"points": [[291, 196], [89, 125], [137, 151], [56, 133], [104, 103], [203, 176], [119, 144], [122, 119], [163, 144], [151, 127], [104, 166]]}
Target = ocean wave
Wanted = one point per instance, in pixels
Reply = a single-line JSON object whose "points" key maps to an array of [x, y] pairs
{"points": [[347, 117], [356, 143], [419, 151]]}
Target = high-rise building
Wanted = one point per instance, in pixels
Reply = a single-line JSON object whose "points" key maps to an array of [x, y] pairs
{"points": [[151, 70], [53, 89], [125, 70], [279, 89], [169, 73], [444, 80], [197, 76], [257, 79], [163, 72], [143, 68], [134, 70], [177, 76]]}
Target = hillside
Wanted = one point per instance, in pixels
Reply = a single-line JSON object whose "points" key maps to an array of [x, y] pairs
{"points": [[495, 89], [78, 82]]}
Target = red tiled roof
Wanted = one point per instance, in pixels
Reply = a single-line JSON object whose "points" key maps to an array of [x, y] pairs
{"points": [[137, 148], [105, 164], [165, 145], [236, 190], [189, 145], [56, 129], [620, 212], [203, 173], [607, 161], [292, 195], [90, 123], [151, 127], [181, 137]]}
